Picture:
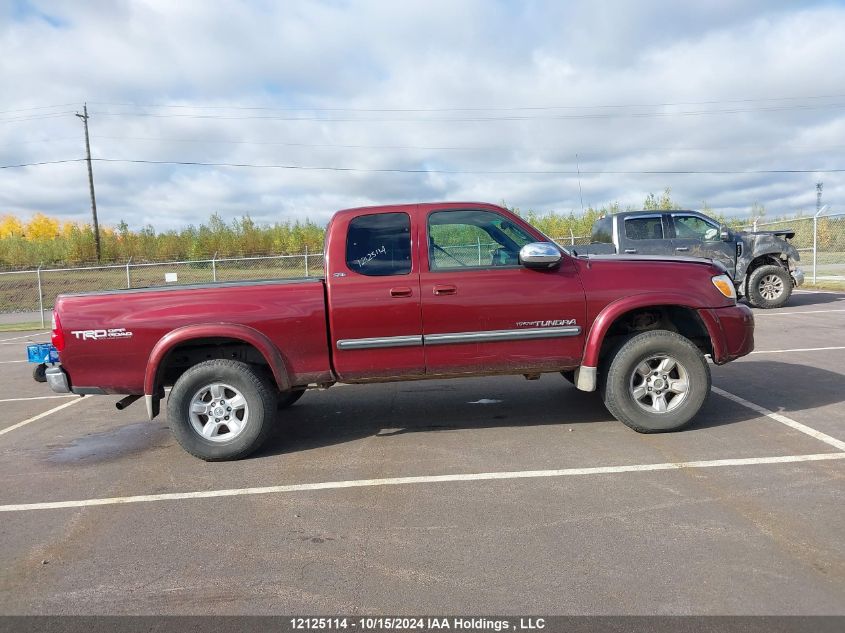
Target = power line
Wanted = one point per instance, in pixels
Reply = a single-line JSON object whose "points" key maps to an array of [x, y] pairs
{"points": [[464, 109], [558, 117], [43, 162], [460, 172], [46, 107], [36, 117], [486, 148], [434, 171]]}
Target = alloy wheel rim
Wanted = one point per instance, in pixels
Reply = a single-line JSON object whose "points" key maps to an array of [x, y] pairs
{"points": [[659, 384], [218, 412], [771, 287]]}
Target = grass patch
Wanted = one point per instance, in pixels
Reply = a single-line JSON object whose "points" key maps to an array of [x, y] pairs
{"points": [[20, 327], [823, 285]]}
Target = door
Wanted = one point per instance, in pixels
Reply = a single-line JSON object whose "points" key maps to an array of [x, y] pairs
{"points": [[698, 236], [374, 299], [644, 235], [483, 312]]}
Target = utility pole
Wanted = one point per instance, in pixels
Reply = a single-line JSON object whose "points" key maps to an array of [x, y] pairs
{"points": [[84, 117]]}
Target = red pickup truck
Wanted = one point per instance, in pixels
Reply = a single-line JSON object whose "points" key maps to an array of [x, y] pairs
{"points": [[412, 291]]}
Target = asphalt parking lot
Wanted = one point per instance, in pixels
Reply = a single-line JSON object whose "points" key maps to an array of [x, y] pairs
{"points": [[495, 495]]}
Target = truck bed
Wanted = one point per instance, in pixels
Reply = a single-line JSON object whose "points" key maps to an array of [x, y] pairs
{"points": [[119, 328]]}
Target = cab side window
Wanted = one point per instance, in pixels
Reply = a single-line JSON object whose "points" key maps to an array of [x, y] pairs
{"points": [[473, 239], [379, 245], [647, 228]]}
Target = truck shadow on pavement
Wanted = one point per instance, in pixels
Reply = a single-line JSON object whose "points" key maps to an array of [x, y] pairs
{"points": [[356, 412], [802, 299]]}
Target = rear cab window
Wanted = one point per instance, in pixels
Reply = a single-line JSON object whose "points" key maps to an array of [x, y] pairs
{"points": [[379, 245], [648, 227]]}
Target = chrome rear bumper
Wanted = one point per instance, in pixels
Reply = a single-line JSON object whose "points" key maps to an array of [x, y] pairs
{"points": [[57, 379]]}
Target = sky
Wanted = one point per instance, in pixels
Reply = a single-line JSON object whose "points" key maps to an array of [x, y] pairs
{"points": [[324, 105]]}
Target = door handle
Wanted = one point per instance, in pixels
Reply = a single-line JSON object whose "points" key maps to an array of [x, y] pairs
{"points": [[682, 249], [445, 290], [400, 292], [630, 250]]}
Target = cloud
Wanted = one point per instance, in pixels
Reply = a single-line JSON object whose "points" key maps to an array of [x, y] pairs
{"points": [[355, 70]]}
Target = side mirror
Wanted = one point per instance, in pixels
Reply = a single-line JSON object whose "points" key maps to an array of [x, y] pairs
{"points": [[724, 233], [539, 255]]}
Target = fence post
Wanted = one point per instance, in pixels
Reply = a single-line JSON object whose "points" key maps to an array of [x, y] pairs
{"points": [[128, 278], [754, 225], [306, 260], [214, 267], [40, 296], [815, 244], [478, 241], [815, 239], [571, 237]]}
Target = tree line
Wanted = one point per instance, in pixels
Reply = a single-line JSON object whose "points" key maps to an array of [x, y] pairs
{"points": [[48, 241]]}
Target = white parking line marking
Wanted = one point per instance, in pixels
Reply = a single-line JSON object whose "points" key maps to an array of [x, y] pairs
{"points": [[797, 349], [39, 416], [827, 439], [6, 362], [17, 338], [425, 479], [771, 314], [70, 395]]}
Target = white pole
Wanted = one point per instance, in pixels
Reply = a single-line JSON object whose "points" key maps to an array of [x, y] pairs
{"points": [[214, 267], [571, 237], [815, 239], [306, 260], [40, 296], [478, 241], [128, 278]]}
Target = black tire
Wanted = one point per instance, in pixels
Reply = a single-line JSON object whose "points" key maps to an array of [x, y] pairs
{"points": [[260, 396], [769, 280], [288, 398], [618, 385], [569, 374], [39, 373]]}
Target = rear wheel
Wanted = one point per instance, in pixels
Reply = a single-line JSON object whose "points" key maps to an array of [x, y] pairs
{"points": [[657, 381], [769, 287], [221, 410]]}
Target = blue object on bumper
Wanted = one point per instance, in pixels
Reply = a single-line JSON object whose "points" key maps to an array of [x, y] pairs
{"points": [[42, 353]]}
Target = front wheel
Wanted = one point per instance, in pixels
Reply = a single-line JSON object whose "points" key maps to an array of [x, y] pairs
{"points": [[221, 410], [657, 381], [769, 287]]}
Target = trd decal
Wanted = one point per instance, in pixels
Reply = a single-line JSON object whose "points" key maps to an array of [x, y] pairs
{"points": [[96, 335]]}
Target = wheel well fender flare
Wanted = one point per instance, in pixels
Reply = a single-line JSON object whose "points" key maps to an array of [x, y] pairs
{"points": [[613, 311], [260, 341], [763, 257]]}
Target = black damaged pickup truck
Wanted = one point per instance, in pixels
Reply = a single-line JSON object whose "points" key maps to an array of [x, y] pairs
{"points": [[763, 264]]}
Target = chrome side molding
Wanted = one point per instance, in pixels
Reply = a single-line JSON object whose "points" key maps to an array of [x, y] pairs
{"points": [[501, 335], [378, 342], [458, 337]]}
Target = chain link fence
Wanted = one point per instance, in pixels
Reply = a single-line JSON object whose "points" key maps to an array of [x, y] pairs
{"points": [[35, 291], [820, 240]]}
